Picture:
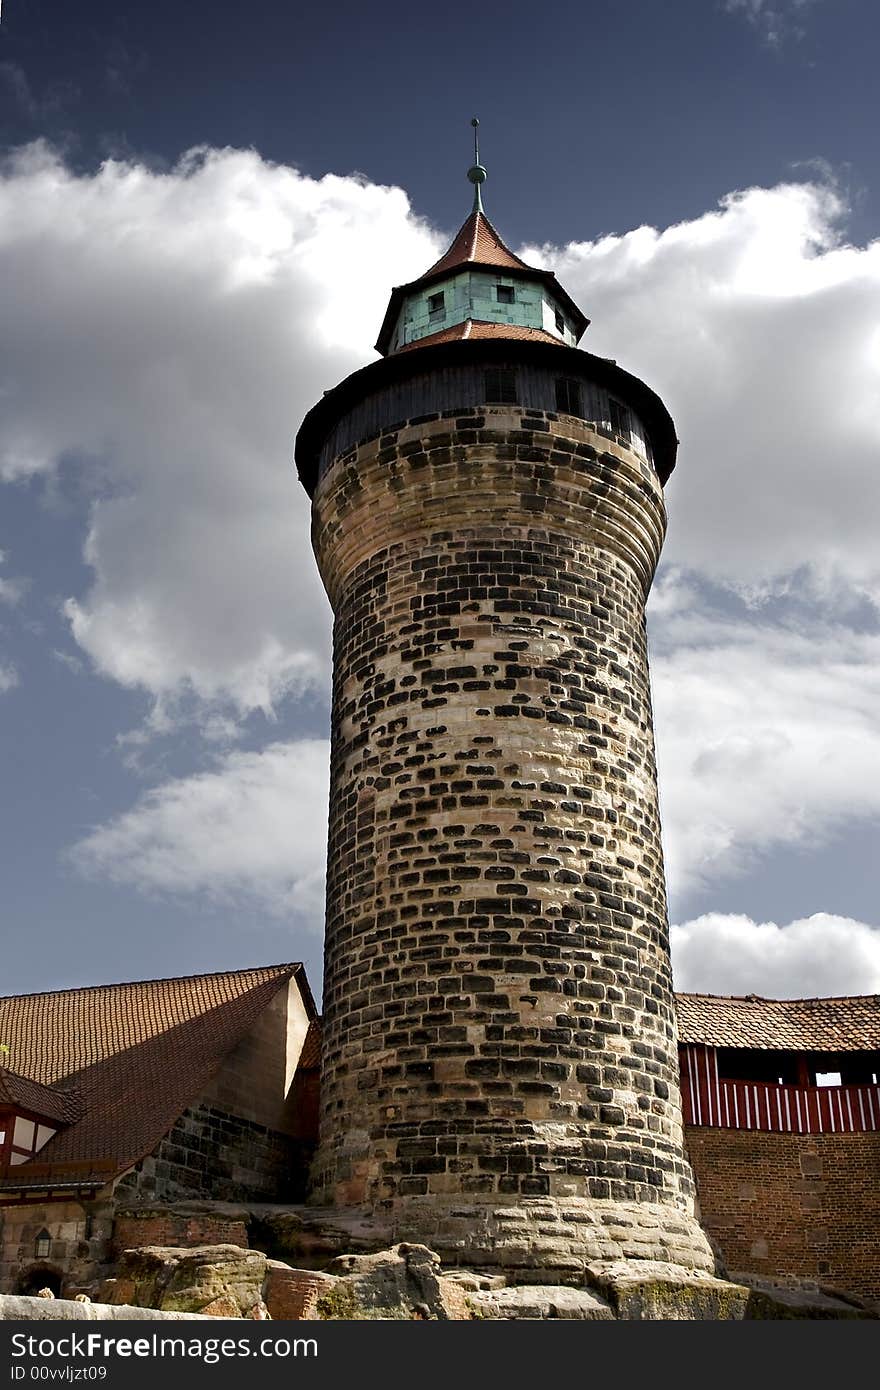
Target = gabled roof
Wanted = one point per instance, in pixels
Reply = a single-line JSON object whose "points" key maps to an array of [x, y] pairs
{"points": [[137, 1054], [845, 1024], [477, 246], [48, 1102]]}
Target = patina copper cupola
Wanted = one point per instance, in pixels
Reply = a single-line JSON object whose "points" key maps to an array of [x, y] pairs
{"points": [[479, 289]]}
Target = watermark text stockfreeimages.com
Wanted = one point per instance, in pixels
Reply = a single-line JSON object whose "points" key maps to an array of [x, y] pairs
{"points": [[27, 1348]]}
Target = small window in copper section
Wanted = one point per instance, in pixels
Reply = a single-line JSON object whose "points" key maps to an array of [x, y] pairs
{"points": [[568, 396], [505, 294], [437, 305], [500, 386], [619, 417], [560, 322]]}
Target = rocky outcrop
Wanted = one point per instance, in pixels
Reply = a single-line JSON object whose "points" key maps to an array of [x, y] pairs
{"points": [[407, 1281], [651, 1290], [213, 1280], [312, 1236], [541, 1301], [776, 1303], [403, 1282], [30, 1308]]}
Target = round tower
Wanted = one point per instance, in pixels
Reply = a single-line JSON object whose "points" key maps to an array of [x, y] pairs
{"points": [[499, 1060]]}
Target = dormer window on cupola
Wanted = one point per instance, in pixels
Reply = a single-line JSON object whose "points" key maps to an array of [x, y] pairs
{"points": [[479, 289], [31, 1113]]}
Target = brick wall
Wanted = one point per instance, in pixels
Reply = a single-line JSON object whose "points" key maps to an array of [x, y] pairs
{"points": [[293, 1293], [498, 1002], [134, 1230], [214, 1155], [796, 1206]]}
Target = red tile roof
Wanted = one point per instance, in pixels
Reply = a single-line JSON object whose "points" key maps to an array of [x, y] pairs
{"points": [[473, 330], [138, 1053], [846, 1024], [49, 1102], [310, 1057], [477, 242]]}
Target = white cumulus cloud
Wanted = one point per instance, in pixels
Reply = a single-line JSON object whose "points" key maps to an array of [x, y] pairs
{"points": [[758, 325], [767, 736], [721, 953], [252, 832], [172, 329], [166, 332]]}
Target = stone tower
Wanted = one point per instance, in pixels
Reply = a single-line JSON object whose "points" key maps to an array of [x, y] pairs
{"points": [[499, 1067]]}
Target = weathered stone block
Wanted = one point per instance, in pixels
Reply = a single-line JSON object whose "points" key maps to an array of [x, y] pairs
{"points": [[542, 1301], [650, 1290], [188, 1280]]}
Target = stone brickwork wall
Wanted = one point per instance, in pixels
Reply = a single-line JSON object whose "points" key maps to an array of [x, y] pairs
{"points": [[80, 1242], [499, 1066], [214, 1155], [793, 1206]]}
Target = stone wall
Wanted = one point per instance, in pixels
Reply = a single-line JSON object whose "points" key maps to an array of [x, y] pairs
{"points": [[793, 1206], [498, 1003], [213, 1155], [256, 1080], [80, 1243]]}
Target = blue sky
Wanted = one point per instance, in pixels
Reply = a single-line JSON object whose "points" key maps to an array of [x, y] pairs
{"points": [[703, 176]]}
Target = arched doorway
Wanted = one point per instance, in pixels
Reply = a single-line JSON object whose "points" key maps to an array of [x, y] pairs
{"points": [[37, 1277]]}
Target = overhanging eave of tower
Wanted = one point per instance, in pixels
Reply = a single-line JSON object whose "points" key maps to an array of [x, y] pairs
{"points": [[321, 419]]}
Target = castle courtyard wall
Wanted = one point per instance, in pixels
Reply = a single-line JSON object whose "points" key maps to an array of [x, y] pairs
{"points": [[792, 1206]]}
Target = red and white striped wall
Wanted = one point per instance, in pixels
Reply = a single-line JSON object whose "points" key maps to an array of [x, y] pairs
{"points": [[708, 1099]]}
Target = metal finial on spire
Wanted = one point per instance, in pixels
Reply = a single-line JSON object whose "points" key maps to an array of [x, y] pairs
{"points": [[477, 174]]}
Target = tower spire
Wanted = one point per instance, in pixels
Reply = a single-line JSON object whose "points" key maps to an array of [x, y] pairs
{"points": [[477, 174]]}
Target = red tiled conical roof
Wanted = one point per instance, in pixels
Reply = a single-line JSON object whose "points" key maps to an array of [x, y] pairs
{"points": [[477, 242]]}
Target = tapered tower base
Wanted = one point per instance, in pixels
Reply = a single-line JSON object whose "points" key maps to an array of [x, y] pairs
{"points": [[558, 1238]]}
